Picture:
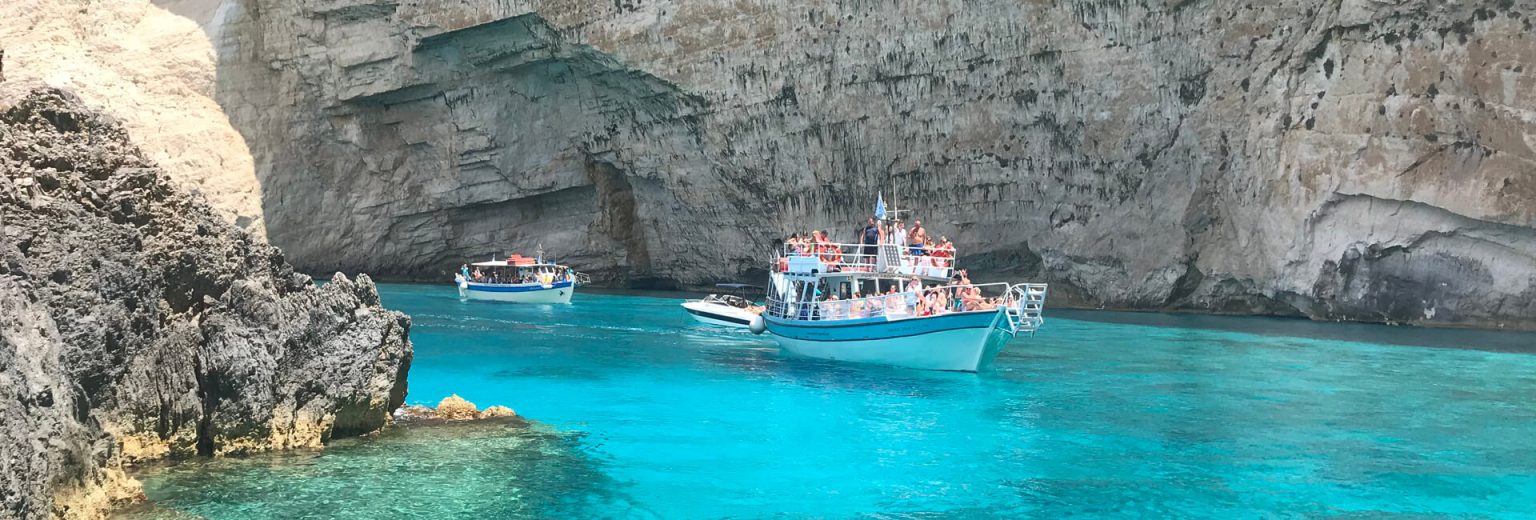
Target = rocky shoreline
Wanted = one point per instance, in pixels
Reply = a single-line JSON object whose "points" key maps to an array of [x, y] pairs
{"points": [[139, 325]]}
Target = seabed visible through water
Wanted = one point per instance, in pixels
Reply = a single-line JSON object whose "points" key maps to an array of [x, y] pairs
{"points": [[641, 413]]}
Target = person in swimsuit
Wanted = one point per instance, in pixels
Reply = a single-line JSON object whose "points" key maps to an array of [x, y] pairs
{"points": [[916, 238]]}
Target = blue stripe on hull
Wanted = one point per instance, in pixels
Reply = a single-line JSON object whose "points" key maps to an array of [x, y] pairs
{"points": [[878, 328], [517, 288]]}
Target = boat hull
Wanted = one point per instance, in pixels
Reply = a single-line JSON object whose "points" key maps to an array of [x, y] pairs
{"points": [[718, 315], [559, 292], [965, 342]]}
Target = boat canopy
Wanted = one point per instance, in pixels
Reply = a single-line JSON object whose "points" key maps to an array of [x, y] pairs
{"points": [[504, 263]]}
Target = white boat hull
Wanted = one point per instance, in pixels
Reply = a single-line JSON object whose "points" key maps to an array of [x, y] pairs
{"points": [[967, 344], [518, 293], [719, 315]]}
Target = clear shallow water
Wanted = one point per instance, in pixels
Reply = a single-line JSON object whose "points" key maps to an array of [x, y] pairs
{"points": [[646, 414]]}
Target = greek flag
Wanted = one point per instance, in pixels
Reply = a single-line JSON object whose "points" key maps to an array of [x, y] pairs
{"points": [[880, 206]]}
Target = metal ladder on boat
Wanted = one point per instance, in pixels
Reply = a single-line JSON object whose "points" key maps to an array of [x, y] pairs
{"points": [[580, 278], [1026, 308]]}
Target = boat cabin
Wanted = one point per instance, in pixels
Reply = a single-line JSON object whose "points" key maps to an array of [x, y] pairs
{"points": [[516, 269]]}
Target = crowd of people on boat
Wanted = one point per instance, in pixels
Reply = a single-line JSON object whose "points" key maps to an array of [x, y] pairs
{"points": [[921, 249], [911, 299], [498, 275]]}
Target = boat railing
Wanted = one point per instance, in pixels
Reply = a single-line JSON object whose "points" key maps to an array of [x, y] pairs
{"points": [[580, 278], [948, 299], [866, 258]]}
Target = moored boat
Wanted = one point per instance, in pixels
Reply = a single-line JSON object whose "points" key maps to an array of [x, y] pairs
{"points": [[725, 310], [517, 279], [840, 302]]}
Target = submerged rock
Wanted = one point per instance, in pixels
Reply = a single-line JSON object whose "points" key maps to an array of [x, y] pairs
{"points": [[452, 408], [137, 324]]}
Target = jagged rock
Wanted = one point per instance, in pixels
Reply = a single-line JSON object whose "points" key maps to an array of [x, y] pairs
{"points": [[454, 407], [451, 408], [1337, 160], [497, 411], [138, 324]]}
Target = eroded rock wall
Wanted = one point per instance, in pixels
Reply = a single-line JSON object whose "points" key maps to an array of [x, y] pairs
{"points": [[1339, 159], [151, 63], [135, 323]]}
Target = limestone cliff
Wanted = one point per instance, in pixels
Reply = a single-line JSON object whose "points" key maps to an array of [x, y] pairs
{"points": [[151, 68], [1337, 159], [136, 324]]}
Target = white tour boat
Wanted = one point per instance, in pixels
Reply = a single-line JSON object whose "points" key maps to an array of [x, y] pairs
{"points": [[817, 307], [517, 279], [725, 310]]}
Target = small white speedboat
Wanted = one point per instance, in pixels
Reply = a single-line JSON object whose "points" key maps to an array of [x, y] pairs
{"points": [[725, 310]]}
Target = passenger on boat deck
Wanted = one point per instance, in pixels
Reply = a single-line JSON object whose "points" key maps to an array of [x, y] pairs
{"points": [[829, 308], [869, 238], [893, 301], [946, 250], [829, 252], [916, 238], [898, 234]]}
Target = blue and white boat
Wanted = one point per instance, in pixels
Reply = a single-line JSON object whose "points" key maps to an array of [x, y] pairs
{"points": [[893, 308], [517, 279]]}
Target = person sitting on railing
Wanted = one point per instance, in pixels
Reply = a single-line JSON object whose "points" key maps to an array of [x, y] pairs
{"points": [[802, 244], [944, 253], [830, 253], [970, 298]]}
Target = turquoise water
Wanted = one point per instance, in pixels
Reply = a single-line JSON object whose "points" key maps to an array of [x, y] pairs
{"points": [[644, 414]]}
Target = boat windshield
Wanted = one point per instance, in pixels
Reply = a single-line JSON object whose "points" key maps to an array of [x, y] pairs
{"points": [[729, 299]]}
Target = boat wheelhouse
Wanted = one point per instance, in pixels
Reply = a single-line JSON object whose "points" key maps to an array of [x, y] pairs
{"points": [[732, 309], [517, 279], [883, 304]]}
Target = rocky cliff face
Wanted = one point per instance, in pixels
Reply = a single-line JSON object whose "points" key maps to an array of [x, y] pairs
{"points": [[136, 324], [1337, 159], [153, 69]]}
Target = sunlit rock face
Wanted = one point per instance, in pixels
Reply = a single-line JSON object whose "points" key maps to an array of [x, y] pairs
{"points": [[1336, 160]]}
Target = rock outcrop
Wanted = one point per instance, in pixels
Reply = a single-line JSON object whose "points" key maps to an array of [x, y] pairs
{"points": [[453, 408], [135, 323], [1350, 159]]}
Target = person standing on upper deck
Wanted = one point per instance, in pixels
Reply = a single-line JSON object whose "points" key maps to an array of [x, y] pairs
{"points": [[916, 237], [870, 239]]}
